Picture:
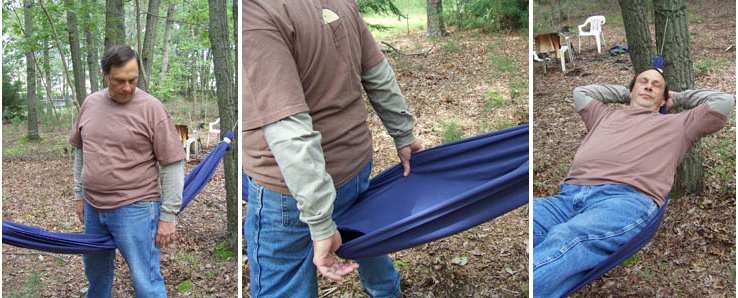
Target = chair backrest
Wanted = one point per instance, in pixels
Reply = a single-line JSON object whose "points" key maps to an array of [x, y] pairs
{"points": [[595, 23]]}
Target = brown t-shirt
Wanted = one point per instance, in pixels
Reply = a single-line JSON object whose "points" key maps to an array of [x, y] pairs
{"points": [[635, 146], [306, 56], [121, 145]]}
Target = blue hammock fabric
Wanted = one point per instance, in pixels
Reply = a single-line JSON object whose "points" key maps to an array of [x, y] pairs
{"points": [[627, 250], [452, 188], [78, 243]]}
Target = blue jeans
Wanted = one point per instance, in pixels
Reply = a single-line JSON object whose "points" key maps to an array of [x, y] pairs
{"points": [[281, 253], [133, 228], [579, 228]]}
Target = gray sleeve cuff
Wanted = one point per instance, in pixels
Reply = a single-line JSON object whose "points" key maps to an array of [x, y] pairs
{"points": [[384, 94], [172, 183], [296, 147], [77, 170]]}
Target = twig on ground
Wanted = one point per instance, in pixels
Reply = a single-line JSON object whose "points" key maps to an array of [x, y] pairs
{"points": [[424, 54]]}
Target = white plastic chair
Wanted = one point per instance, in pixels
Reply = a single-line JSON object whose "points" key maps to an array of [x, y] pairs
{"points": [[595, 30], [212, 130]]}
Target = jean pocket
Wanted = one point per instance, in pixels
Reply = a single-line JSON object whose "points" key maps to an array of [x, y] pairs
{"points": [[290, 213]]}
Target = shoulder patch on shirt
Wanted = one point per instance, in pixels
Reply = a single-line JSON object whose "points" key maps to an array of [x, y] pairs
{"points": [[329, 16]]}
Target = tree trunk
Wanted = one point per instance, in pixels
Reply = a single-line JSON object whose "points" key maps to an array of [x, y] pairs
{"points": [[72, 27], [147, 54], [93, 63], [46, 70], [637, 33], [32, 119], [115, 27], [57, 42], [436, 26], [673, 32], [227, 108], [167, 41]]}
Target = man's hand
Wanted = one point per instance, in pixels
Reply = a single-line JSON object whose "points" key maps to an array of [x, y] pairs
{"points": [[670, 101], [326, 261], [165, 233], [406, 152], [79, 208]]}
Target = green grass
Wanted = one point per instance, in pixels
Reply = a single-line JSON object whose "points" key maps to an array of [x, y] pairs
{"points": [[222, 252], [705, 65], [184, 286], [632, 260], [30, 288], [500, 62], [517, 86], [415, 12], [451, 131], [451, 47], [495, 125], [188, 258], [494, 100]]}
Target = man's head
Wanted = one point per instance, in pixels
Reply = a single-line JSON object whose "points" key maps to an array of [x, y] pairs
{"points": [[649, 90], [120, 68]]}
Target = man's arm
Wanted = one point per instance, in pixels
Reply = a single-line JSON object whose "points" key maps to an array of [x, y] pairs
{"points": [[583, 95], [296, 147], [79, 207], [384, 94], [172, 183], [715, 100]]}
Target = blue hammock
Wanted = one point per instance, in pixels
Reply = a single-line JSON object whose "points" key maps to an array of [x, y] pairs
{"points": [[624, 252], [452, 188], [78, 243]]}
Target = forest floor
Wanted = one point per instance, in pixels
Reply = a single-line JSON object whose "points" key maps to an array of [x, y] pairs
{"points": [[693, 253], [469, 83], [37, 190]]}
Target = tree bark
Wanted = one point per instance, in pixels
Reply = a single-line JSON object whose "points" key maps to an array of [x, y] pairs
{"points": [[673, 32], [46, 70], [93, 63], [72, 28], [436, 26], [637, 33], [227, 108], [147, 53], [57, 42], [115, 27], [32, 119], [167, 41]]}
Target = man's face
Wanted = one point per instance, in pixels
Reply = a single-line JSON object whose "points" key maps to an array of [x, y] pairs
{"points": [[122, 81], [648, 90]]}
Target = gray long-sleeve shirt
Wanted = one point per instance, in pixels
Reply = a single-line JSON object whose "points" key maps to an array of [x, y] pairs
{"points": [[296, 147]]}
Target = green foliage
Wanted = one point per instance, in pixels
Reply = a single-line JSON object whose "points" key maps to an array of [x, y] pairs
{"points": [[500, 61], [451, 131], [632, 260], [517, 85], [494, 100], [705, 65], [14, 106], [451, 47], [488, 15], [379, 7], [184, 286], [495, 125], [222, 252], [31, 287]]}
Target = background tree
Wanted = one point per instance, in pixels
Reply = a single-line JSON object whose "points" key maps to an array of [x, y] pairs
{"points": [[436, 26], [115, 28], [72, 28], [227, 103], [637, 33], [30, 73], [672, 33], [147, 53]]}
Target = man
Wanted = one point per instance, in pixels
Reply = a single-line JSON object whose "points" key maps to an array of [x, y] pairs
{"points": [[126, 143], [621, 173], [307, 147]]}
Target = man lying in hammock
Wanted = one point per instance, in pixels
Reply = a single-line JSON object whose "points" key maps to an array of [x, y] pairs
{"points": [[621, 173]]}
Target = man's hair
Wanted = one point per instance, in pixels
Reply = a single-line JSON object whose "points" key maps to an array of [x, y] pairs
{"points": [[661, 72], [117, 55]]}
